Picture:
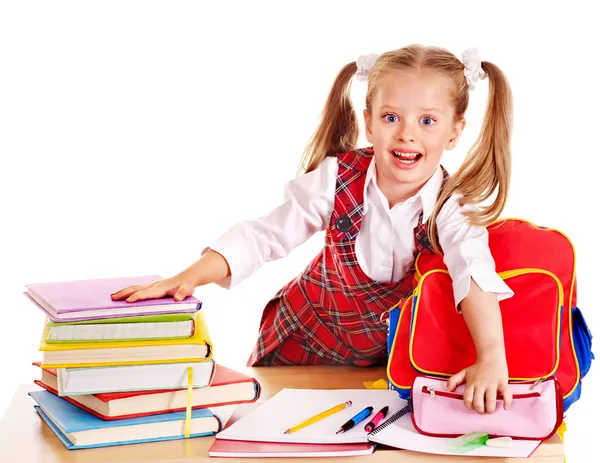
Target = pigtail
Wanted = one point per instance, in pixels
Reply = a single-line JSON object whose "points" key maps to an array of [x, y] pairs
{"points": [[338, 129], [486, 169]]}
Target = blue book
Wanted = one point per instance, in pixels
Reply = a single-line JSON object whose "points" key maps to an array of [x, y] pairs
{"points": [[78, 429]]}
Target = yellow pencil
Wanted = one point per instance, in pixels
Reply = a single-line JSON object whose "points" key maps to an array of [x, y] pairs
{"points": [[320, 416]]}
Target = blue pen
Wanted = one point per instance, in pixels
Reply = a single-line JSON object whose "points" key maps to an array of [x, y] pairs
{"points": [[355, 420]]}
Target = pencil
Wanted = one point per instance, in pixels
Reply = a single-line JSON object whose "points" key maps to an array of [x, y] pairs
{"points": [[318, 417]]}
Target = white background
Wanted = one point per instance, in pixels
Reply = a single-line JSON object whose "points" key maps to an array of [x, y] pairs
{"points": [[134, 133]]}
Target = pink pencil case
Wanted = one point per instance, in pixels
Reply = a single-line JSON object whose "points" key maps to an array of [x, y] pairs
{"points": [[536, 411]]}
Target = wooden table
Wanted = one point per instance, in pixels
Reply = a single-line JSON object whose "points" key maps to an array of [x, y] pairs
{"points": [[25, 438]]}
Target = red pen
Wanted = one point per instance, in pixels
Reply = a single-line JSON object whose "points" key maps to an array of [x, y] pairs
{"points": [[376, 419]]}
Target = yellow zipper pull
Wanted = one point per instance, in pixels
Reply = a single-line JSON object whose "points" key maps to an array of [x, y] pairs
{"points": [[431, 392]]}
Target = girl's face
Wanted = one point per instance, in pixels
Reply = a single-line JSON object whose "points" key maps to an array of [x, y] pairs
{"points": [[410, 126]]}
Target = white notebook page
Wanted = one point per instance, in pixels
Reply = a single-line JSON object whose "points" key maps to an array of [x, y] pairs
{"points": [[290, 407], [402, 434]]}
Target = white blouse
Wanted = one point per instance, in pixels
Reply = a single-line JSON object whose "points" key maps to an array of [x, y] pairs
{"points": [[385, 243]]}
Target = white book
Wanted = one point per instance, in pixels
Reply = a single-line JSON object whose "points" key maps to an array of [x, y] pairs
{"points": [[226, 387], [96, 380]]}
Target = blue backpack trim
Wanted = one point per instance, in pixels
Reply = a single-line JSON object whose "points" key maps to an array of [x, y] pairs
{"points": [[394, 315], [582, 341]]}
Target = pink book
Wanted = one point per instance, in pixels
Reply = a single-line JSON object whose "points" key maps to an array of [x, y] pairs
{"points": [[79, 300], [245, 449], [248, 449]]}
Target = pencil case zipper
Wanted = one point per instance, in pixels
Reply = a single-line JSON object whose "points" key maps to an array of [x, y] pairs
{"points": [[453, 395]]}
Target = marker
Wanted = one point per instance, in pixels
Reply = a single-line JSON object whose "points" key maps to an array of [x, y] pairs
{"points": [[355, 420], [500, 442], [468, 442], [376, 419], [320, 416]]}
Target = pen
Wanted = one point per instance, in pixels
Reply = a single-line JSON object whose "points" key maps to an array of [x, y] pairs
{"points": [[376, 419], [318, 417], [355, 420]]}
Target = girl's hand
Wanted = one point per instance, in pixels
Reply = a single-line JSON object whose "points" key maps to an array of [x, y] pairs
{"points": [[211, 267], [485, 379], [177, 287]]}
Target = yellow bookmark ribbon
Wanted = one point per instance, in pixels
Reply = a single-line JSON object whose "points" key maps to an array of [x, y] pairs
{"points": [[188, 408]]}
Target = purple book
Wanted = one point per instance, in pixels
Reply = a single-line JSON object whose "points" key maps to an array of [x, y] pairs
{"points": [[72, 301]]}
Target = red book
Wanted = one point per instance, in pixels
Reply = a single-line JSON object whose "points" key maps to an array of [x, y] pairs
{"points": [[228, 387]]}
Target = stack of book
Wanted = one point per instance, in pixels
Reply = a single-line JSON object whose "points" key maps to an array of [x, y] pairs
{"points": [[118, 373]]}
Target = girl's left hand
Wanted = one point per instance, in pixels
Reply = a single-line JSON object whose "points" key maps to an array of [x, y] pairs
{"points": [[485, 379]]}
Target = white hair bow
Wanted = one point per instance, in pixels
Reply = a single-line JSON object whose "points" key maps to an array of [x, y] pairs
{"points": [[470, 59], [473, 71], [364, 65]]}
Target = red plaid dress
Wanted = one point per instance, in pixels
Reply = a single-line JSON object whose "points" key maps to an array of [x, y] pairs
{"points": [[331, 313]]}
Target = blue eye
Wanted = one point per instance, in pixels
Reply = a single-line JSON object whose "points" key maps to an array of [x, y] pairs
{"points": [[430, 118], [392, 118]]}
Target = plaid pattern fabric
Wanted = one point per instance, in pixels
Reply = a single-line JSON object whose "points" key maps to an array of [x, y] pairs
{"points": [[330, 314]]}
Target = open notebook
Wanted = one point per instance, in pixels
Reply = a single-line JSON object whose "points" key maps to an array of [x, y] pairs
{"points": [[289, 407], [400, 433]]}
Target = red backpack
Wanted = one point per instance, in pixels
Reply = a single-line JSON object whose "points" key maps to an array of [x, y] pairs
{"points": [[544, 331]]}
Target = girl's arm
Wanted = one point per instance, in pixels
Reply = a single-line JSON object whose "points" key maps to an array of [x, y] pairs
{"points": [[211, 267], [244, 248], [477, 290], [489, 374]]}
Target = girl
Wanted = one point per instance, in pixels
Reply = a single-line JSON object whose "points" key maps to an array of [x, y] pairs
{"points": [[379, 207]]}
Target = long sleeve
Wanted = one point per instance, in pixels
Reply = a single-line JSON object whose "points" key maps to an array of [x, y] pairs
{"points": [[307, 208], [467, 254]]}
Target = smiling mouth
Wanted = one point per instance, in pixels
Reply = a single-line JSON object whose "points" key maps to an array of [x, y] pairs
{"points": [[407, 158]]}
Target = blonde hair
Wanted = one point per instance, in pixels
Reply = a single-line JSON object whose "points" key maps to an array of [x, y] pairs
{"points": [[486, 168]]}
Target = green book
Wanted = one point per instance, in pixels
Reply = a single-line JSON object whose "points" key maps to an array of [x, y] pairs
{"points": [[171, 317], [137, 328]]}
